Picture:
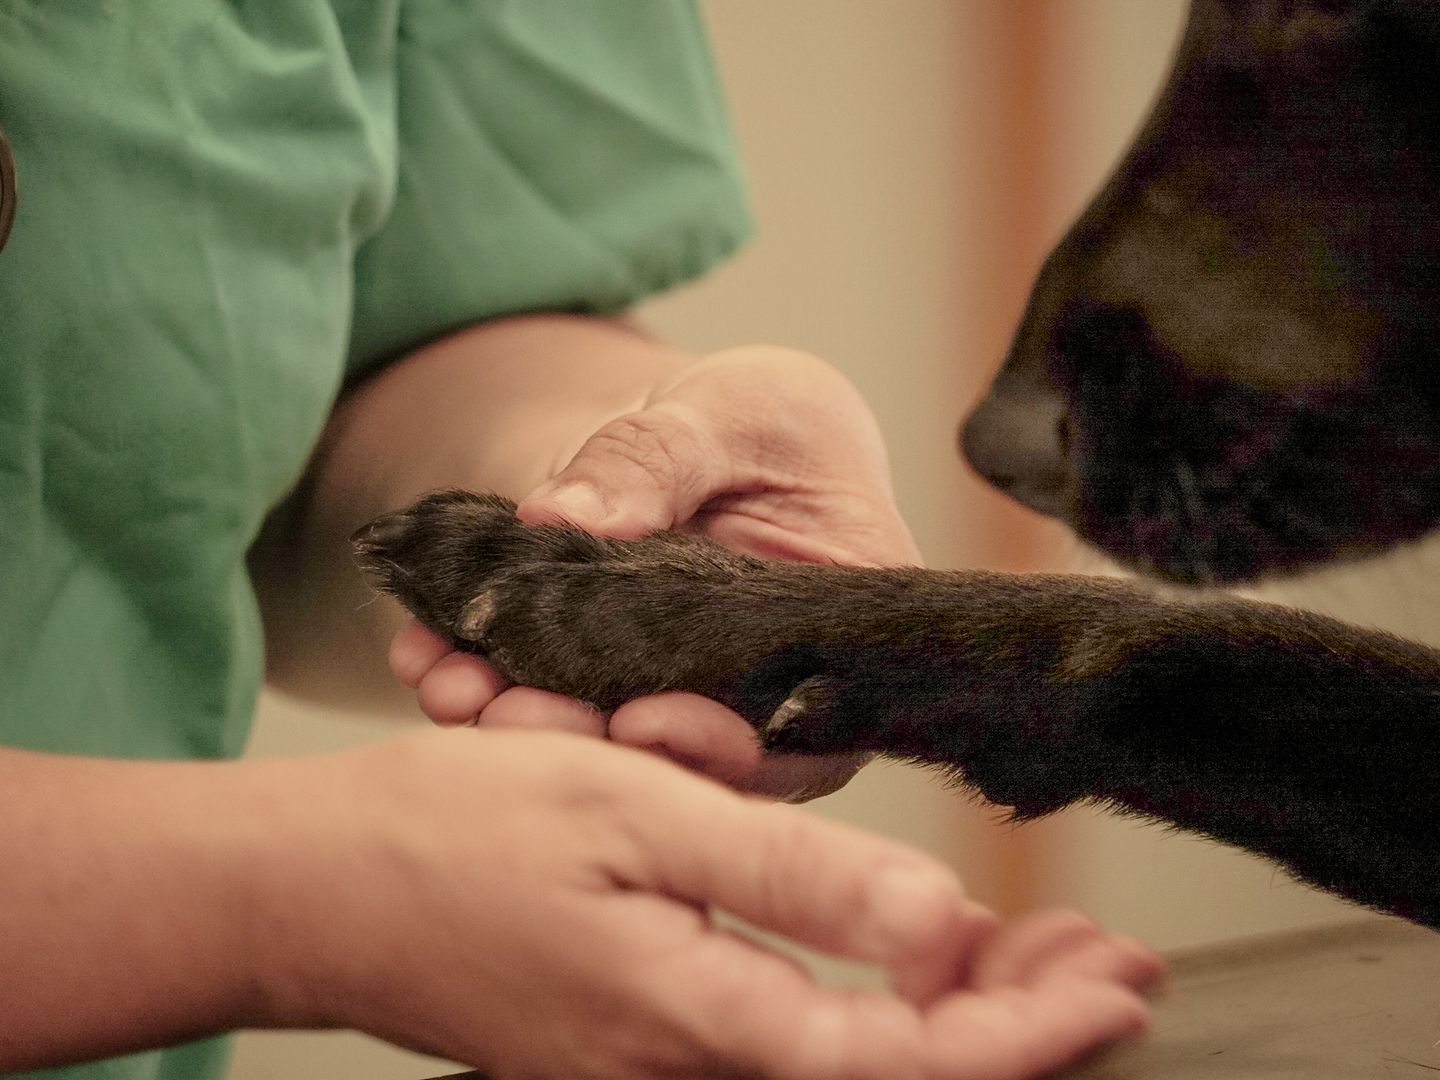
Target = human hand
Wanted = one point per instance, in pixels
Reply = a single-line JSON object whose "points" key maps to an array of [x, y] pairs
{"points": [[763, 449], [532, 905]]}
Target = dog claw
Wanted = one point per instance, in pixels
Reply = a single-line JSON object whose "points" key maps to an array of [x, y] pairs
{"points": [[806, 695], [476, 616], [379, 535]]}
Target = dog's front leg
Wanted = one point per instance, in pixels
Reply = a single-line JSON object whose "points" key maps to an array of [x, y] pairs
{"points": [[1294, 736]]}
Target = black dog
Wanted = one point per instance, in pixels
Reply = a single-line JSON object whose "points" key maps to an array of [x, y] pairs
{"points": [[1229, 366], [1224, 371]]}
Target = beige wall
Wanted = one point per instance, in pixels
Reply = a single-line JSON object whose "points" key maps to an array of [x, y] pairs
{"points": [[868, 128]]}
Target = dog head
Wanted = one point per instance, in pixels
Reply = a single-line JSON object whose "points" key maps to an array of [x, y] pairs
{"points": [[1231, 364]]}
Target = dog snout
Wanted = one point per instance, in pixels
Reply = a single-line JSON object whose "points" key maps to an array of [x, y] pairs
{"points": [[1103, 344], [1015, 439]]}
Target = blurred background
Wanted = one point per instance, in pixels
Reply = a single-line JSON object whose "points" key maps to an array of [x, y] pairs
{"points": [[911, 162]]}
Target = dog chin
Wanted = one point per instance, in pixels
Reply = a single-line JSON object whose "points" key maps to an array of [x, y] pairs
{"points": [[1397, 591]]}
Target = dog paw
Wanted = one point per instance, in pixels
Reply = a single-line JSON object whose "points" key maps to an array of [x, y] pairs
{"points": [[443, 557], [558, 608], [605, 620]]}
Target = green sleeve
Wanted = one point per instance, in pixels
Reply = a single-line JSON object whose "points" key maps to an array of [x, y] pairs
{"points": [[553, 155]]}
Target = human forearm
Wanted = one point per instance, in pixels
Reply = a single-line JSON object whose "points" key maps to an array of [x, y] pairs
{"points": [[127, 903], [498, 407]]}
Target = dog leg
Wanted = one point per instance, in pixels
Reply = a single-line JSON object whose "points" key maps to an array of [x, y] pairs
{"points": [[1295, 736]]}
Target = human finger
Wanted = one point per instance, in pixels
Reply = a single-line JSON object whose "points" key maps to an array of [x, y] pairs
{"points": [[745, 422], [1042, 943], [457, 688], [734, 986], [644, 471], [858, 527], [414, 651], [706, 736], [709, 738], [524, 708], [1013, 1033], [821, 883], [1010, 1033], [802, 777], [693, 731]]}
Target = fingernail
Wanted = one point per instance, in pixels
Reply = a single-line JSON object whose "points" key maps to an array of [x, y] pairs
{"points": [[580, 502]]}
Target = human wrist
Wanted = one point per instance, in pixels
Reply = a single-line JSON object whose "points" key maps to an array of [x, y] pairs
{"points": [[298, 885], [332, 901]]}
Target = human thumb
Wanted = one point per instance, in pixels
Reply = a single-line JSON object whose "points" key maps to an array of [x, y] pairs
{"points": [[644, 471]]}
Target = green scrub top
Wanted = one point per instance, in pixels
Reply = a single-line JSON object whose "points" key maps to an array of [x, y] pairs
{"points": [[227, 208]]}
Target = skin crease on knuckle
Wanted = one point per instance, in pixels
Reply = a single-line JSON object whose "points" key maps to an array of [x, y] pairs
{"points": [[664, 448], [786, 414]]}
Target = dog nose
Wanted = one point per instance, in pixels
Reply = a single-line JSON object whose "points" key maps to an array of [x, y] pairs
{"points": [[1015, 440]]}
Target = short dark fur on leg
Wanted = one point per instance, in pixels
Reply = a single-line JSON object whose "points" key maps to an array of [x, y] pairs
{"points": [[1289, 734]]}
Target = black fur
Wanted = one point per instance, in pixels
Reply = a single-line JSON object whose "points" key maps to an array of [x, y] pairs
{"points": [[1289, 734]]}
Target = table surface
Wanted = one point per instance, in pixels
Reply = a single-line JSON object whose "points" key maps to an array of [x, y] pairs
{"points": [[1347, 1002], [1351, 1002]]}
